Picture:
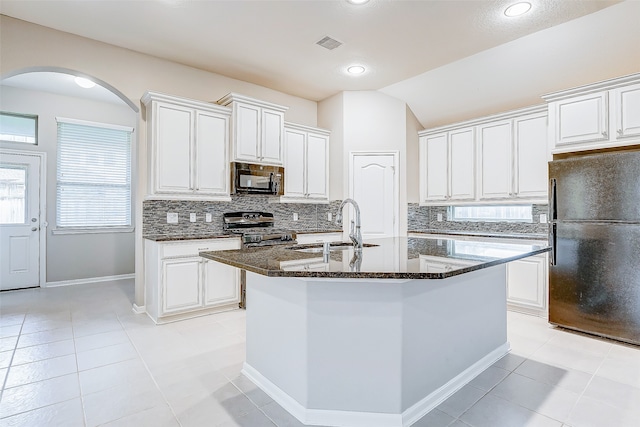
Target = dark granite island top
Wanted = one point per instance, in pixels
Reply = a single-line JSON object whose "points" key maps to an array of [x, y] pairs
{"points": [[391, 258]]}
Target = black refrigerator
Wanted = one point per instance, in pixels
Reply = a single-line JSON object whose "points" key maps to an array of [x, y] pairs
{"points": [[594, 274]]}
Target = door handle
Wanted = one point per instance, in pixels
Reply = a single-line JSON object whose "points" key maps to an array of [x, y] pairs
{"points": [[34, 228]]}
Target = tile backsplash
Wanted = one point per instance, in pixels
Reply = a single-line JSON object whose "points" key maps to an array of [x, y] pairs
{"points": [[311, 217], [425, 219]]}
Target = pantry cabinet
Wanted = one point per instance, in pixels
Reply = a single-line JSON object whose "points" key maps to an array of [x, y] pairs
{"points": [[187, 145], [306, 165], [257, 129], [500, 158], [180, 284], [597, 116]]}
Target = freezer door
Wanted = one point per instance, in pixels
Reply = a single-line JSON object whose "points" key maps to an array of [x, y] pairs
{"points": [[599, 187], [595, 285]]}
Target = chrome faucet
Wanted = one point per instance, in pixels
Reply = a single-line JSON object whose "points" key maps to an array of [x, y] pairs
{"points": [[355, 235]]}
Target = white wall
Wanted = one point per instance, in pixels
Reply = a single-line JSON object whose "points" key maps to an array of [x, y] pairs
{"points": [[595, 47], [365, 121], [82, 256]]}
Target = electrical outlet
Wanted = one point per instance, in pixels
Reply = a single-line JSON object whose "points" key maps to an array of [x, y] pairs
{"points": [[295, 216], [329, 216], [192, 217], [543, 218], [172, 218], [207, 217], [439, 217]]}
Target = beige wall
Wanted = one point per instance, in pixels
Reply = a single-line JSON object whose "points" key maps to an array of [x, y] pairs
{"points": [[24, 45], [413, 158], [331, 116]]}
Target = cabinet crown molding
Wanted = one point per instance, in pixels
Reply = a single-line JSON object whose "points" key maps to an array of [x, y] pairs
{"points": [[304, 128], [593, 87], [235, 97], [486, 119], [148, 97]]}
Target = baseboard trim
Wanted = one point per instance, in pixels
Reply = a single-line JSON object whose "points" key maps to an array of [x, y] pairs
{"points": [[139, 309], [430, 402], [90, 280], [372, 419]]}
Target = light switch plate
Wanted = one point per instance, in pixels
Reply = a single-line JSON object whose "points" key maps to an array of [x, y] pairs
{"points": [[543, 218], [192, 217], [439, 217], [329, 216], [295, 216], [172, 218], [207, 217]]}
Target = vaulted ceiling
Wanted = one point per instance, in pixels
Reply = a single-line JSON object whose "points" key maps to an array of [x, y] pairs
{"points": [[273, 43]]}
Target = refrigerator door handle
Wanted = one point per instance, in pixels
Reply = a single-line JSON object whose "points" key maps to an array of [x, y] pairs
{"points": [[553, 203], [553, 241]]}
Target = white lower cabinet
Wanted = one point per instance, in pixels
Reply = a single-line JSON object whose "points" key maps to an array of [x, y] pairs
{"points": [[181, 284], [527, 285]]}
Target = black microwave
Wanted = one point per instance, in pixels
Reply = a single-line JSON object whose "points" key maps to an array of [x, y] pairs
{"points": [[248, 178]]}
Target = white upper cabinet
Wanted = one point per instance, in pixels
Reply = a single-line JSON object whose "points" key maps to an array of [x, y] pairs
{"points": [[447, 164], [257, 130], [597, 116], [306, 164], [513, 158], [187, 148], [530, 156], [582, 119], [627, 108], [495, 142], [501, 158]]}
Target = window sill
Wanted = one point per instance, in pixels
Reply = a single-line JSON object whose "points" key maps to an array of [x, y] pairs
{"points": [[92, 230]]}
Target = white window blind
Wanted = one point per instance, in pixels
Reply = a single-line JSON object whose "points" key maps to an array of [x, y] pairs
{"points": [[94, 175]]}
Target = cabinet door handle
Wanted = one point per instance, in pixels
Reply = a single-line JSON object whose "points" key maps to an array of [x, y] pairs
{"points": [[604, 134], [620, 132]]}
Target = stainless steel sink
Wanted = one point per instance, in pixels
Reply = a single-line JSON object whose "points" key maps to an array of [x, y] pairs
{"points": [[318, 247]]}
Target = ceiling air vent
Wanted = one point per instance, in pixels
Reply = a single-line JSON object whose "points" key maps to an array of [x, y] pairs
{"points": [[329, 43]]}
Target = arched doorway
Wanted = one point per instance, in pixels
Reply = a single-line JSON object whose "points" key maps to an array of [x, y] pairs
{"points": [[69, 256]]}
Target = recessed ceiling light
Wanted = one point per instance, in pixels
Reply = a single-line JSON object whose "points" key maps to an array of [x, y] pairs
{"points": [[355, 69], [85, 83], [517, 9], [357, 1]]}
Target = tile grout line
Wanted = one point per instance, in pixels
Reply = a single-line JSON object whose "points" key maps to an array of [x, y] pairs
{"points": [[75, 353], [146, 367], [13, 353], [588, 383]]}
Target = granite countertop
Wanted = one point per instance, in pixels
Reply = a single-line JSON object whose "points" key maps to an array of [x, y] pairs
{"points": [[178, 237], [172, 238], [530, 236], [390, 258]]}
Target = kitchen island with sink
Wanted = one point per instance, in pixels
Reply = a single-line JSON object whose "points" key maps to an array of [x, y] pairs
{"points": [[378, 337]]}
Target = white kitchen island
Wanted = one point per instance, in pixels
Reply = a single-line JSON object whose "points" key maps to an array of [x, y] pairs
{"points": [[360, 345]]}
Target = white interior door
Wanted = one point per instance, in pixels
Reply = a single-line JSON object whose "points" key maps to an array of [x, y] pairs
{"points": [[374, 187], [19, 221]]}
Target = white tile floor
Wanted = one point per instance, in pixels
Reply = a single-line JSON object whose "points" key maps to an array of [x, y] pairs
{"points": [[78, 356]]}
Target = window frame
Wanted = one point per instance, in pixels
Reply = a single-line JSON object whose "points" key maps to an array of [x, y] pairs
{"points": [[452, 216], [35, 125], [87, 229]]}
